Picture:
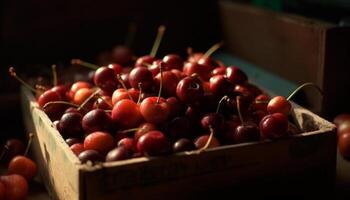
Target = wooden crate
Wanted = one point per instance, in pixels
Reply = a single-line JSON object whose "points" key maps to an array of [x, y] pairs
{"points": [[297, 48], [307, 158]]}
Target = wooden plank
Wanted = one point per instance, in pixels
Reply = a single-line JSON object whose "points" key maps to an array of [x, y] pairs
{"points": [[56, 162]]}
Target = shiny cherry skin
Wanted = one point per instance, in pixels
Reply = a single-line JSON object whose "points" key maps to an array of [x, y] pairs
{"points": [[77, 86], [77, 148], [201, 141], [105, 78], [344, 145], [214, 120], [261, 102], [47, 97], [190, 90], [23, 166], [116, 67], [183, 144], [141, 75], [173, 61], [219, 71], [143, 129], [279, 104], [236, 75], [155, 67], [70, 125], [125, 79], [153, 143], [143, 61], [341, 118], [153, 111], [128, 143], [104, 102], [170, 82], [274, 126], [247, 132], [179, 74], [219, 85], [81, 95], [121, 93], [96, 120], [203, 71], [119, 153], [16, 186], [62, 90], [99, 141], [90, 155], [71, 141], [126, 114]]}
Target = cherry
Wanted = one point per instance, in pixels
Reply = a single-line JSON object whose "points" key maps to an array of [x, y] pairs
{"points": [[261, 102], [70, 124], [170, 82], [155, 67], [71, 141], [173, 61], [77, 86], [144, 61], [81, 95], [341, 118], [105, 78], [220, 85], [183, 144], [179, 127], [143, 129], [273, 126], [99, 141], [236, 75], [12, 148], [90, 155], [176, 107], [203, 71], [116, 67], [206, 59], [179, 74], [343, 128], [190, 90], [96, 120], [23, 166], [344, 145], [279, 104], [219, 71], [16, 186], [128, 143], [153, 143], [245, 132], [141, 75], [155, 109], [2, 191], [48, 96], [229, 134], [103, 102], [62, 90], [215, 120], [77, 148], [126, 114], [125, 79], [121, 93], [202, 141], [119, 153]]}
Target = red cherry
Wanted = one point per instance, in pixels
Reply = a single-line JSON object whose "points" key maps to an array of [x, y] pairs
{"points": [[236, 75], [81, 95], [203, 71], [190, 90], [77, 86], [279, 104], [219, 85], [274, 126], [179, 74], [119, 153], [155, 67], [247, 132], [99, 141], [103, 102], [2, 191], [105, 78], [122, 55], [143, 61], [116, 67], [128, 143], [143, 129], [61, 89], [12, 148], [155, 110], [77, 148], [16, 187], [176, 107], [126, 114], [261, 102], [141, 75], [213, 120], [70, 124], [23, 166], [183, 144], [170, 82], [219, 71], [341, 118], [48, 96], [344, 145], [121, 93], [96, 120], [90, 155], [153, 143], [201, 141], [71, 141], [173, 61]]}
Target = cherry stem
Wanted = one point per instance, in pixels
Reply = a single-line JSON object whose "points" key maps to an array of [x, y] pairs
{"points": [[140, 93], [119, 78], [131, 34], [129, 130], [161, 81], [189, 51], [302, 86], [60, 102], [84, 64], [156, 43], [88, 99], [12, 72], [99, 96], [220, 102], [54, 75], [238, 101], [31, 135], [209, 139], [212, 49]]}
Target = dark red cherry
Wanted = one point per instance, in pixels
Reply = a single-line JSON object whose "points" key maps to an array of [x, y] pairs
{"points": [[173, 61], [153, 143], [143, 61], [155, 110], [119, 153], [143, 129], [220, 85], [203, 71], [201, 141], [247, 132], [274, 126], [99, 141], [105, 78], [279, 104], [183, 144], [96, 120], [141, 75], [122, 55], [190, 90], [213, 120], [236, 75], [70, 125], [170, 82], [90, 155]]}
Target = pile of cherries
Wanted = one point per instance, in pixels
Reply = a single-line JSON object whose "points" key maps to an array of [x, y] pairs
{"points": [[20, 171], [158, 106]]}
